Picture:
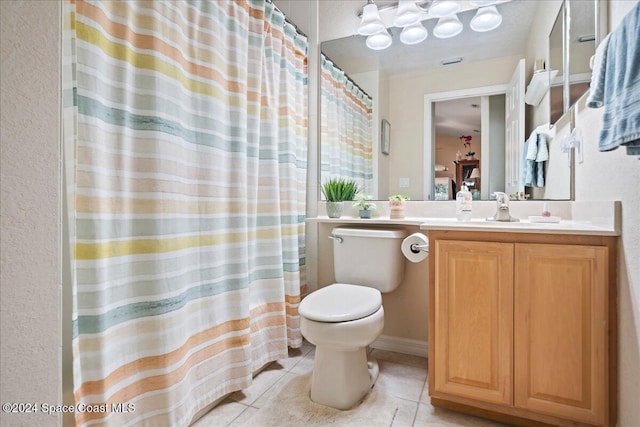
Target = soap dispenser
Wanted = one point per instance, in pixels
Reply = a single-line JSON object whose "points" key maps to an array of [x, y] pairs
{"points": [[463, 204]]}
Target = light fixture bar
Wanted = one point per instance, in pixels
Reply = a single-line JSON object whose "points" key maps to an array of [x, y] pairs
{"points": [[424, 6], [451, 61]]}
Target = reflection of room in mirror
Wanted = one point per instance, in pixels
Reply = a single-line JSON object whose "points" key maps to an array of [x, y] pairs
{"points": [[400, 78], [582, 45], [576, 21], [458, 125]]}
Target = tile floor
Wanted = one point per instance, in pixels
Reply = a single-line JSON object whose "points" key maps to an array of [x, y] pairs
{"points": [[403, 376]]}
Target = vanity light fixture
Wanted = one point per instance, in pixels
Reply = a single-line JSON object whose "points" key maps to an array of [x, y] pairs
{"points": [[443, 8], [408, 14], [371, 22], [379, 41], [411, 13], [487, 18], [447, 27], [482, 3], [414, 34]]}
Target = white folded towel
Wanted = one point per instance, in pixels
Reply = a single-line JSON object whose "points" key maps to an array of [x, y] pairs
{"points": [[596, 93]]}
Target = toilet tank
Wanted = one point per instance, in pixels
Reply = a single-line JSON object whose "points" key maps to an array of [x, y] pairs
{"points": [[368, 257]]}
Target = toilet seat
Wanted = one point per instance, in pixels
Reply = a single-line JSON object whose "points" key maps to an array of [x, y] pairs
{"points": [[340, 302]]}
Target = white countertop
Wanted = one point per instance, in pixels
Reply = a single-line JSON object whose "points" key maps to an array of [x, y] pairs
{"points": [[524, 226], [597, 218], [376, 220]]}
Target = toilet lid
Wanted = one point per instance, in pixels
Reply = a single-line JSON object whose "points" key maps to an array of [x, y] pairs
{"points": [[340, 302]]}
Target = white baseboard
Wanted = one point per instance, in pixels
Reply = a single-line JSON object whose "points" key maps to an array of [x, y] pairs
{"points": [[401, 345]]}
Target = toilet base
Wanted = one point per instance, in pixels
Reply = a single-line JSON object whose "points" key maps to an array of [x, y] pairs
{"points": [[342, 378]]}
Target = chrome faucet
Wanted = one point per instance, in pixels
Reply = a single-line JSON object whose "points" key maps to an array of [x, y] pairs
{"points": [[502, 212]]}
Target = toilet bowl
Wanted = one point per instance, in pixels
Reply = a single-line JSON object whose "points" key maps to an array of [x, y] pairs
{"points": [[342, 319], [341, 375]]}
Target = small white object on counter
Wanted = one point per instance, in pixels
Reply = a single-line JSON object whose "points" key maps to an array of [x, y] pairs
{"points": [[562, 227], [547, 219]]}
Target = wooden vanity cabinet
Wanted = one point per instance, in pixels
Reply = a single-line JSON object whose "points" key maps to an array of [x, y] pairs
{"points": [[522, 326], [473, 310]]}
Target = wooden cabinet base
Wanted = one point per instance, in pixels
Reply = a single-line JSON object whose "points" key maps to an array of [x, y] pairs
{"points": [[510, 416], [522, 327]]}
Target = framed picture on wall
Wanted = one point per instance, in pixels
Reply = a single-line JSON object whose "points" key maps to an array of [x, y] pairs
{"points": [[385, 136]]}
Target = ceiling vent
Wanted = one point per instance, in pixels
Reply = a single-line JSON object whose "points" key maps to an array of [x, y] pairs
{"points": [[451, 61]]}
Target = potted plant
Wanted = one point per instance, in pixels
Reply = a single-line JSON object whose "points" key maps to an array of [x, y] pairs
{"points": [[396, 206], [336, 191], [365, 205], [466, 141]]}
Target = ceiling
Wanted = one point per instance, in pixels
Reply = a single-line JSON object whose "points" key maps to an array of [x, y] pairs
{"points": [[458, 117]]}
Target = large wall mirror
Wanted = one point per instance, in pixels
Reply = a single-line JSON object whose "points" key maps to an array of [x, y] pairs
{"points": [[578, 28], [398, 78]]}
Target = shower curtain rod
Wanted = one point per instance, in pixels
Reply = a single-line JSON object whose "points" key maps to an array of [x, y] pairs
{"points": [[346, 75], [289, 21]]}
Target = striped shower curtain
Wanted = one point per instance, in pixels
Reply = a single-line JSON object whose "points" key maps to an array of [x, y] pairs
{"points": [[185, 149], [346, 129]]}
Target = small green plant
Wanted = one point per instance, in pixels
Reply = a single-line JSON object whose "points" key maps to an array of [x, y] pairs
{"points": [[399, 197], [339, 189], [364, 203]]}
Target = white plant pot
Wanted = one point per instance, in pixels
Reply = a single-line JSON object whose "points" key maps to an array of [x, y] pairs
{"points": [[334, 209]]}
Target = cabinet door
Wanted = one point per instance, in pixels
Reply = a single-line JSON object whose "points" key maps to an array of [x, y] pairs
{"points": [[473, 311], [561, 330]]}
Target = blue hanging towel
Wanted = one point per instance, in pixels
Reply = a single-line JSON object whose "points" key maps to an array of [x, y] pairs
{"points": [[616, 85]]}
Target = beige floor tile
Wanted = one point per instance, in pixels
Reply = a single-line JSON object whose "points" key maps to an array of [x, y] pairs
{"points": [[307, 346], [430, 416], [221, 415], [424, 397], [404, 359], [305, 365], [402, 376], [401, 381], [273, 391], [295, 355], [241, 420], [261, 383], [405, 414]]}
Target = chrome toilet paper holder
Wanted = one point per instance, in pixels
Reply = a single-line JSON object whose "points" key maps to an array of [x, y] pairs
{"points": [[416, 248]]}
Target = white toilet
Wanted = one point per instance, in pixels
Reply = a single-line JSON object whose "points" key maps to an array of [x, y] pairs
{"points": [[342, 319]]}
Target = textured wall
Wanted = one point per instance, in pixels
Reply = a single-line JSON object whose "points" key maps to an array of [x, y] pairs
{"points": [[30, 208], [615, 176]]}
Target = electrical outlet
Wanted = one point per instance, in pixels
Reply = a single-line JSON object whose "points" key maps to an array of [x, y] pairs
{"points": [[404, 183]]}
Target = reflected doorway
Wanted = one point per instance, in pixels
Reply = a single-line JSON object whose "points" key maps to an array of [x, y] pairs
{"points": [[469, 146]]}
